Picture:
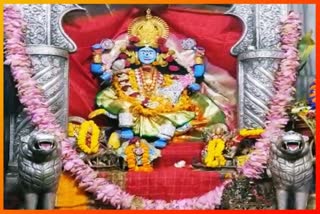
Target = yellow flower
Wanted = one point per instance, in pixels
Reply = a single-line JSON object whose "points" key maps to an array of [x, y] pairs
{"points": [[228, 175], [114, 140], [86, 127], [132, 80], [131, 158], [214, 156], [167, 80], [251, 132], [241, 160]]}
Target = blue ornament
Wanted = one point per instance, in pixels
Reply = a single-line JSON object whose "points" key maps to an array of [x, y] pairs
{"points": [[198, 70], [194, 87], [160, 143], [126, 133], [96, 46], [96, 68], [106, 76]]}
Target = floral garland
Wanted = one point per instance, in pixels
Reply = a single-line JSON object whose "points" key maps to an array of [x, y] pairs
{"points": [[138, 108], [73, 129], [250, 132], [131, 158], [284, 82], [214, 156], [82, 138], [32, 98]]}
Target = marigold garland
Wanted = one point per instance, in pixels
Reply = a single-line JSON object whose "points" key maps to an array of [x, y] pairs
{"points": [[85, 128], [251, 132], [73, 129], [137, 108], [214, 156], [132, 80], [131, 158], [167, 80]]}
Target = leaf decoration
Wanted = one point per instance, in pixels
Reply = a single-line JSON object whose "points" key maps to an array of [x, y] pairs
{"points": [[305, 47]]}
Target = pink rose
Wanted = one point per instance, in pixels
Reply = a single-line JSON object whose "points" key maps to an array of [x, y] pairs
{"points": [[134, 39]]}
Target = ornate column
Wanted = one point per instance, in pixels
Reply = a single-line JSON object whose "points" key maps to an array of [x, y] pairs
{"points": [[259, 56]]}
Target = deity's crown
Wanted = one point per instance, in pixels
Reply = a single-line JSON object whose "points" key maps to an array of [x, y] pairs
{"points": [[148, 29]]}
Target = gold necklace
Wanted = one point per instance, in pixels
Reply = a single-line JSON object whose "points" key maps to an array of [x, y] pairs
{"points": [[149, 82]]}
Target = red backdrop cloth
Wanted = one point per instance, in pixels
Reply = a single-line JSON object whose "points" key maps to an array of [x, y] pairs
{"points": [[174, 152], [169, 183], [217, 33], [172, 183]]}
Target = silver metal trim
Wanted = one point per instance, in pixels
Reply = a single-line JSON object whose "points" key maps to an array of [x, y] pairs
{"points": [[46, 50], [262, 53], [259, 55]]}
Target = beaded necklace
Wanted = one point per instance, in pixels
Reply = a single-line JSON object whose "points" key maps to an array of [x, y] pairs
{"points": [[147, 85]]}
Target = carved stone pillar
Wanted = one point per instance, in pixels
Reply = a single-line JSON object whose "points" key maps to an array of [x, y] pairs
{"points": [[259, 56]]}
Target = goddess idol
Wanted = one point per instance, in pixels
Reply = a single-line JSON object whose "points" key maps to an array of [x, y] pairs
{"points": [[151, 90]]}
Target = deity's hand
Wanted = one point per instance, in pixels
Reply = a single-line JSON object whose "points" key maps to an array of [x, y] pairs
{"points": [[126, 133], [194, 87]]}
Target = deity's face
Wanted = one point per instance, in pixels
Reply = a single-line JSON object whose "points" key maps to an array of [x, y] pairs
{"points": [[147, 55]]}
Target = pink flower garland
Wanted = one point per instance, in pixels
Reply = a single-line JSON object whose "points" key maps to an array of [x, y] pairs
{"points": [[30, 95], [32, 98], [277, 117]]}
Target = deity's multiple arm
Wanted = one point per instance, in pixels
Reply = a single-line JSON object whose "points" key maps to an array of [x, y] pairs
{"points": [[97, 67], [198, 69]]}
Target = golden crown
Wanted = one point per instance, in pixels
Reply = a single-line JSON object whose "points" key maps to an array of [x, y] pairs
{"points": [[148, 29]]}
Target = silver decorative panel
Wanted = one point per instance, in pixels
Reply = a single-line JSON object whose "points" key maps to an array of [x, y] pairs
{"points": [[246, 13], [49, 47], [44, 24], [255, 78], [259, 55]]}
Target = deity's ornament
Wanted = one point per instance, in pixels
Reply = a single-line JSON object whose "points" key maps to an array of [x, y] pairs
{"points": [[312, 95], [96, 66], [114, 140], [137, 156], [251, 132], [214, 157], [82, 142], [148, 31]]}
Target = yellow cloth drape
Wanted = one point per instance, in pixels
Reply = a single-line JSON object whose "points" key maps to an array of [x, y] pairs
{"points": [[69, 195]]}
